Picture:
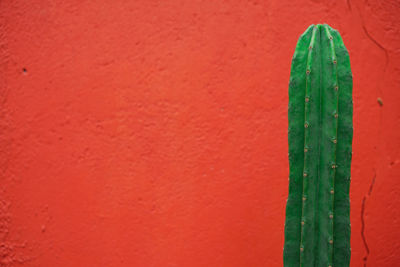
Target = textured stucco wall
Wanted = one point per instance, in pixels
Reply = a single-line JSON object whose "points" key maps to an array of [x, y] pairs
{"points": [[154, 133]]}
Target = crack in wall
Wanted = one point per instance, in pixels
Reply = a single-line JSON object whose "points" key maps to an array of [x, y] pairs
{"points": [[381, 47], [365, 259], [348, 5]]}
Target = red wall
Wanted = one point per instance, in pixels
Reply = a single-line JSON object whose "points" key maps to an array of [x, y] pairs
{"points": [[154, 133]]}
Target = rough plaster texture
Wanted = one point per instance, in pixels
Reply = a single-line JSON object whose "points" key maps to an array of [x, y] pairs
{"points": [[154, 133]]}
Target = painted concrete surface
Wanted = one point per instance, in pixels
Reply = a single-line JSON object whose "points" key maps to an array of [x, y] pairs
{"points": [[154, 133]]}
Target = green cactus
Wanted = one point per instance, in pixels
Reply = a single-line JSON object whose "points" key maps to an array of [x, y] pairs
{"points": [[317, 227]]}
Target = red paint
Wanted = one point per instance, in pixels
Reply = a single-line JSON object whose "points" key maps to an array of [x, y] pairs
{"points": [[154, 133]]}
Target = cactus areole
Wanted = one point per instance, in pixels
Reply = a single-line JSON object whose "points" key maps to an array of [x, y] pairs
{"points": [[317, 226]]}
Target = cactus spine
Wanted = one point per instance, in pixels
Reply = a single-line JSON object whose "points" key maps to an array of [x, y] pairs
{"points": [[317, 227]]}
